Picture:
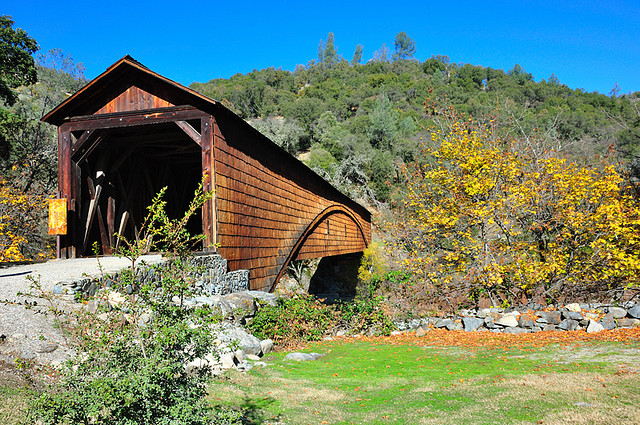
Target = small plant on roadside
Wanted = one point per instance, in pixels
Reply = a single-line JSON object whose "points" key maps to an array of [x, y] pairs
{"points": [[133, 351]]}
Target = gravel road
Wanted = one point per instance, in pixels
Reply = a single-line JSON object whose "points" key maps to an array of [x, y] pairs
{"points": [[27, 328]]}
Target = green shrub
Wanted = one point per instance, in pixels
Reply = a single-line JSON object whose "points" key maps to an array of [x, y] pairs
{"points": [[303, 318], [296, 319], [130, 367], [366, 315]]}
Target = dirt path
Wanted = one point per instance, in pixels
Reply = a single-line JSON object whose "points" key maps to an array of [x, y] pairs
{"points": [[27, 328]]}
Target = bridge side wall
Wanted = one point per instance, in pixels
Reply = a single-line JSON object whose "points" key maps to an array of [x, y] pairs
{"points": [[266, 202]]}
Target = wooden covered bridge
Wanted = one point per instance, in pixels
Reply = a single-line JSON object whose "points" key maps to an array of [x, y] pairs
{"points": [[131, 131]]}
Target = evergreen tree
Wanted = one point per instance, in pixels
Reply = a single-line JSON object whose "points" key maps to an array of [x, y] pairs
{"points": [[357, 55], [405, 47]]}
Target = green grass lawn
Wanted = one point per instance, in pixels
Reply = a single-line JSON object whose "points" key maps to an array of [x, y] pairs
{"points": [[370, 382], [386, 381]]}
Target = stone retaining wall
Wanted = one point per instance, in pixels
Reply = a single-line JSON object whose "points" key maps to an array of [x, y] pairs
{"points": [[211, 277], [534, 318]]}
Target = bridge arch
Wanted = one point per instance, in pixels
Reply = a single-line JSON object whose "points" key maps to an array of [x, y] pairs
{"points": [[354, 235]]}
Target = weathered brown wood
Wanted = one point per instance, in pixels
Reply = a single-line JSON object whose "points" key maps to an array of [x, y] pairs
{"points": [[132, 99], [267, 209], [121, 228], [135, 118], [111, 219], [189, 130], [93, 207], [209, 221]]}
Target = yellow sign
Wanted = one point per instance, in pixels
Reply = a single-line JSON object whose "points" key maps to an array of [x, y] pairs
{"points": [[57, 216]]}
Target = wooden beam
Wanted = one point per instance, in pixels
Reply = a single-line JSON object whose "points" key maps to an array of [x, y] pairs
{"points": [[83, 148], [209, 220], [121, 228], [93, 206], [191, 132], [111, 216], [134, 118], [66, 189]]}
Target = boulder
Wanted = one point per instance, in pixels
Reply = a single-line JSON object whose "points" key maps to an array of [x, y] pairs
{"points": [[608, 322], [635, 311], [526, 321], [572, 315], [264, 297], [443, 323], [247, 342], [266, 346], [472, 323], [628, 323], [516, 330], [508, 320], [482, 313], [573, 307], [550, 317], [228, 360], [115, 299], [490, 324], [301, 357], [568, 325], [594, 327], [618, 312], [454, 326], [242, 304]]}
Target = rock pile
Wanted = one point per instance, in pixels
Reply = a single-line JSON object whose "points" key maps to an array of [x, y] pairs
{"points": [[534, 318], [234, 346]]}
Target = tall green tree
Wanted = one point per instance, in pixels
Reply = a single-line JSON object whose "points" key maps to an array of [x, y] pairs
{"points": [[357, 55], [405, 46], [17, 66], [327, 52]]}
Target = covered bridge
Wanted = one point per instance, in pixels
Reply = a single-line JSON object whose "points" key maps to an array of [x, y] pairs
{"points": [[131, 131]]}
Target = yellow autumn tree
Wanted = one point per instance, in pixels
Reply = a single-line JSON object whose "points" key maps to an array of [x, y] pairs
{"points": [[490, 216], [21, 232]]}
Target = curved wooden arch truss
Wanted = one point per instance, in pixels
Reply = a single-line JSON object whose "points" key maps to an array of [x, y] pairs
{"points": [[344, 234]]}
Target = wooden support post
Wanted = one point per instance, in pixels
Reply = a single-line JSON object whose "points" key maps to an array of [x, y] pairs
{"points": [[209, 219], [65, 187]]}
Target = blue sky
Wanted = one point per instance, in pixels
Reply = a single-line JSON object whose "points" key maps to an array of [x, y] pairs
{"points": [[591, 45]]}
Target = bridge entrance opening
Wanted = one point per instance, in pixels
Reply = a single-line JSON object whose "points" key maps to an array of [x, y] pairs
{"points": [[124, 171]]}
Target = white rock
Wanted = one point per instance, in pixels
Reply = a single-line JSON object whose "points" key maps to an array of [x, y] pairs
{"points": [[252, 357], [573, 307], [594, 327], [508, 320], [635, 311], [240, 355], [266, 346], [211, 358], [303, 356], [115, 298], [227, 360]]}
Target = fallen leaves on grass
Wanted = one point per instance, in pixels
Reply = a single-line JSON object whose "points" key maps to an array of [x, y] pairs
{"points": [[440, 337]]}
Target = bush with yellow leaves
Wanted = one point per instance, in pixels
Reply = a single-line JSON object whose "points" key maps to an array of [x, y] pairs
{"points": [[22, 234], [504, 218]]}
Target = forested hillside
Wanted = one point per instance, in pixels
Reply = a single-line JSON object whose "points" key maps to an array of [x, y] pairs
{"points": [[356, 121]]}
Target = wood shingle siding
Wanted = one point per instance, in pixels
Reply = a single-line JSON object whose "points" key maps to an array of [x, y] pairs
{"points": [[131, 131]]}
